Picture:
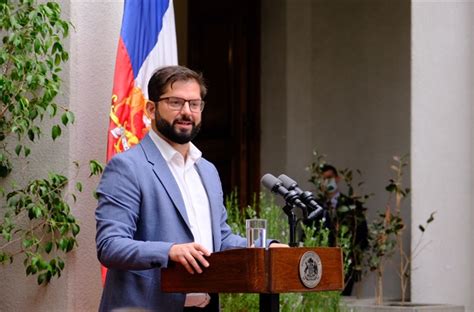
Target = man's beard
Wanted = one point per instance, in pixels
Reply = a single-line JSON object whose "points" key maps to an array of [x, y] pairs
{"points": [[168, 130]]}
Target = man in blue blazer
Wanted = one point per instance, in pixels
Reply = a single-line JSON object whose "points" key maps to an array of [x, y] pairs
{"points": [[161, 201]]}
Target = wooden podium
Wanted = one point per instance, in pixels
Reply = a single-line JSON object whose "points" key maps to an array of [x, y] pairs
{"points": [[257, 270]]}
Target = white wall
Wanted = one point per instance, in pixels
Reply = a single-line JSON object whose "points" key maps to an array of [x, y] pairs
{"points": [[442, 72]]}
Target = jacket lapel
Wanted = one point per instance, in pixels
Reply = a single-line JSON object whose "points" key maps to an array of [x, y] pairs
{"points": [[163, 173]]}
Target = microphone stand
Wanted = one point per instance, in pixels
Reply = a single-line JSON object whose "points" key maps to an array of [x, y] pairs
{"points": [[292, 221]]}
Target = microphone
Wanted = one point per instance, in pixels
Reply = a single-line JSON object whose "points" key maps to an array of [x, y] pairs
{"points": [[290, 196], [307, 197]]}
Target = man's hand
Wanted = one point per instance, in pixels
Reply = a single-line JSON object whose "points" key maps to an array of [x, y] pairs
{"points": [[187, 254], [278, 245]]}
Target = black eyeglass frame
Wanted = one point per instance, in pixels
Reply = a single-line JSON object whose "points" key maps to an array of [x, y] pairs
{"points": [[182, 103]]}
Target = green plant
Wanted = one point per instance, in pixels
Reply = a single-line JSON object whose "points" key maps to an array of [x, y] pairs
{"points": [[386, 233], [277, 227], [382, 244], [347, 218], [36, 218], [37, 222]]}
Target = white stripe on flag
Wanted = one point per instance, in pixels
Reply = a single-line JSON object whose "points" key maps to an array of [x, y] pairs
{"points": [[164, 52]]}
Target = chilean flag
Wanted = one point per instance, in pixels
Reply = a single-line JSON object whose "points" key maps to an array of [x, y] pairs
{"points": [[147, 42]]}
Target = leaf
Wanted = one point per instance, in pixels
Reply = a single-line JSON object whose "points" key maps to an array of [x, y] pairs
{"points": [[48, 247], [343, 209], [70, 116], [41, 278], [57, 59], [55, 132], [60, 263], [31, 135], [56, 47], [42, 265], [29, 270], [37, 45], [95, 168], [70, 244], [18, 149], [27, 243], [64, 56], [24, 103], [64, 119], [63, 244], [63, 230], [431, 218], [391, 188], [36, 212], [75, 229], [79, 186], [398, 227], [52, 109]]}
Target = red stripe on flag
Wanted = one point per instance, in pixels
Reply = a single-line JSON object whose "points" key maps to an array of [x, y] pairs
{"points": [[124, 103], [123, 77], [123, 86]]}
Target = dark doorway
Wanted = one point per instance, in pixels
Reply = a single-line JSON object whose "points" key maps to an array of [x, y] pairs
{"points": [[223, 42]]}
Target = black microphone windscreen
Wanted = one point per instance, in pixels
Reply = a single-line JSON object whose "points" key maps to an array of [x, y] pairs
{"points": [[269, 181], [287, 181]]}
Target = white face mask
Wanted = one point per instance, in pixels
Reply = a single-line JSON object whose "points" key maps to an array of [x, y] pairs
{"points": [[330, 185]]}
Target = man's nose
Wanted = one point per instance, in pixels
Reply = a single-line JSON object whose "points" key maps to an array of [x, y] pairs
{"points": [[186, 108]]}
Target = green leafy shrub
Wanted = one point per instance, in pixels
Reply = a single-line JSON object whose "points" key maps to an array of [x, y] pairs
{"points": [[35, 219]]}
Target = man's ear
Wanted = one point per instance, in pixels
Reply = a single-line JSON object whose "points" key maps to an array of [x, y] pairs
{"points": [[150, 108]]}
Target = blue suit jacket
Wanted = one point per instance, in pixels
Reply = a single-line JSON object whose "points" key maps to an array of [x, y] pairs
{"points": [[140, 215]]}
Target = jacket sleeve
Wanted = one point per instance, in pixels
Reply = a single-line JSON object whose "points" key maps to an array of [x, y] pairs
{"points": [[229, 240], [117, 215]]}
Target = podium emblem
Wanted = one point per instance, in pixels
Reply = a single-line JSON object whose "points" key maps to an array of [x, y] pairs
{"points": [[311, 269]]}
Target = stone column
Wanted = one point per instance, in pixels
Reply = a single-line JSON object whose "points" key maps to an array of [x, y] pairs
{"points": [[442, 150], [93, 46]]}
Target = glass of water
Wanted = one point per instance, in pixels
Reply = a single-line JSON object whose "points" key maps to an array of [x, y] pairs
{"points": [[256, 233]]}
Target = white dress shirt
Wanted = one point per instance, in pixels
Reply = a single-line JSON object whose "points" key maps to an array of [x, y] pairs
{"points": [[191, 187], [195, 200]]}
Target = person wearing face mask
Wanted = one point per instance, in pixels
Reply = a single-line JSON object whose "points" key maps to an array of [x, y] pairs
{"points": [[345, 211], [330, 184], [162, 202]]}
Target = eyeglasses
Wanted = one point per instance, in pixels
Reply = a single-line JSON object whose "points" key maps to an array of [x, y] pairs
{"points": [[176, 104]]}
